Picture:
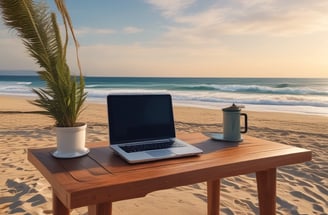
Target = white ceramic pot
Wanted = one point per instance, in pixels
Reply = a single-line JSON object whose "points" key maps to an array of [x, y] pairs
{"points": [[71, 142]]}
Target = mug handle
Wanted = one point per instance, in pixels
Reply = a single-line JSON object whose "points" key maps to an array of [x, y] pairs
{"points": [[246, 124]]}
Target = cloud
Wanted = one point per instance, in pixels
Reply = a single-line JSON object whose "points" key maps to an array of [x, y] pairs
{"points": [[107, 31], [99, 31], [201, 39], [180, 60], [238, 17], [136, 60], [170, 7], [286, 18], [132, 30], [13, 54]]}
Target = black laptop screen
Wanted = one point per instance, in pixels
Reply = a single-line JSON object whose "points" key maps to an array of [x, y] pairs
{"points": [[140, 117]]}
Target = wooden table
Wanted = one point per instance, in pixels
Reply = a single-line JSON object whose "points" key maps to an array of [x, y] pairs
{"points": [[101, 177]]}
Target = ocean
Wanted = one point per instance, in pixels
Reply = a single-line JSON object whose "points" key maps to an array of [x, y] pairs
{"points": [[292, 95]]}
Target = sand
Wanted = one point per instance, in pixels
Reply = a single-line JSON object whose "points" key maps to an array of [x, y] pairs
{"points": [[301, 188]]}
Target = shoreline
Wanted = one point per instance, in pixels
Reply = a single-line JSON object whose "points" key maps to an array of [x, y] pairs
{"points": [[301, 188], [308, 96], [205, 119], [176, 105]]}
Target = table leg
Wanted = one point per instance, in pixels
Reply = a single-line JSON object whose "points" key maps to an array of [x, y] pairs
{"points": [[266, 188], [213, 197], [58, 207], [100, 209]]}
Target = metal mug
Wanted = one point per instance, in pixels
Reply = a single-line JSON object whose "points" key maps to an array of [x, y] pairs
{"points": [[231, 123]]}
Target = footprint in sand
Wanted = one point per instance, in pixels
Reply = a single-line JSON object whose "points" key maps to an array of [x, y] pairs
{"points": [[15, 203], [283, 204]]}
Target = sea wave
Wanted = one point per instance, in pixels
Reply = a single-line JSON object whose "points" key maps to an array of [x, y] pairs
{"points": [[24, 83], [282, 89], [14, 89], [315, 101], [102, 93], [282, 85], [207, 97], [265, 94], [97, 86]]}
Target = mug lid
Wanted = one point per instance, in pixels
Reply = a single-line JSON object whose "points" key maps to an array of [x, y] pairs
{"points": [[233, 107]]}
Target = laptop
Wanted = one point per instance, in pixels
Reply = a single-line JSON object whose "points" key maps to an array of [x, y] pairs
{"points": [[141, 128]]}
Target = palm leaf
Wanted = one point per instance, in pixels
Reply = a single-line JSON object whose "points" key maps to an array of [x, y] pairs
{"points": [[63, 96], [68, 24], [22, 15]]}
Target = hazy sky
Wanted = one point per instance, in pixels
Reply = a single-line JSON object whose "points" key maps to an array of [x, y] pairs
{"points": [[198, 38]]}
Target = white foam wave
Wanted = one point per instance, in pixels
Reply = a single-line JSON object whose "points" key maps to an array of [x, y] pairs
{"points": [[215, 99], [256, 89], [304, 103], [24, 83]]}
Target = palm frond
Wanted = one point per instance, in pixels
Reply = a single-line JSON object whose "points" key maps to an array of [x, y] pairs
{"points": [[68, 24], [63, 96], [31, 22]]}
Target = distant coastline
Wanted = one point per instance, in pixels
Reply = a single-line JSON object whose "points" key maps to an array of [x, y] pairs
{"points": [[18, 73], [4, 72]]}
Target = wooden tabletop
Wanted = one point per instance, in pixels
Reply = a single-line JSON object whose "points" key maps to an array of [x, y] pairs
{"points": [[102, 176]]}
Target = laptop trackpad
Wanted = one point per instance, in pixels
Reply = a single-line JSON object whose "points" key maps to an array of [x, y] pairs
{"points": [[161, 153]]}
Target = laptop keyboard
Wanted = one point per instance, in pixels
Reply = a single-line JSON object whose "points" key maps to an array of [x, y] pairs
{"points": [[148, 146]]}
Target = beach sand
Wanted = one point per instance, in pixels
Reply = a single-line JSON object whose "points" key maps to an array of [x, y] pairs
{"points": [[301, 188]]}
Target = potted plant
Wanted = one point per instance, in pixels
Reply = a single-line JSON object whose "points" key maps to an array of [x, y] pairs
{"points": [[63, 96]]}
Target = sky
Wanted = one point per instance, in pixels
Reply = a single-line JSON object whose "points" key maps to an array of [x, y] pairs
{"points": [[191, 38]]}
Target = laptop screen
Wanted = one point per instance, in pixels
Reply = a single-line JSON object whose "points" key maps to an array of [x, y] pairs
{"points": [[140, 117]]}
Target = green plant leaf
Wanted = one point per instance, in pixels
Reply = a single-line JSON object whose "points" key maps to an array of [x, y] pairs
{"points": [[63, 97]]}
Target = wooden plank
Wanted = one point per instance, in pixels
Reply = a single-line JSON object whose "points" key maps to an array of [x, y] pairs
{"points": [[105, 177], [212, 150], [115, 164], [55, 174], [125, 188], [141, 182], [266, 188], [213, 197], [249, 158], [58, 207], [83, 168], [100, 209]]}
